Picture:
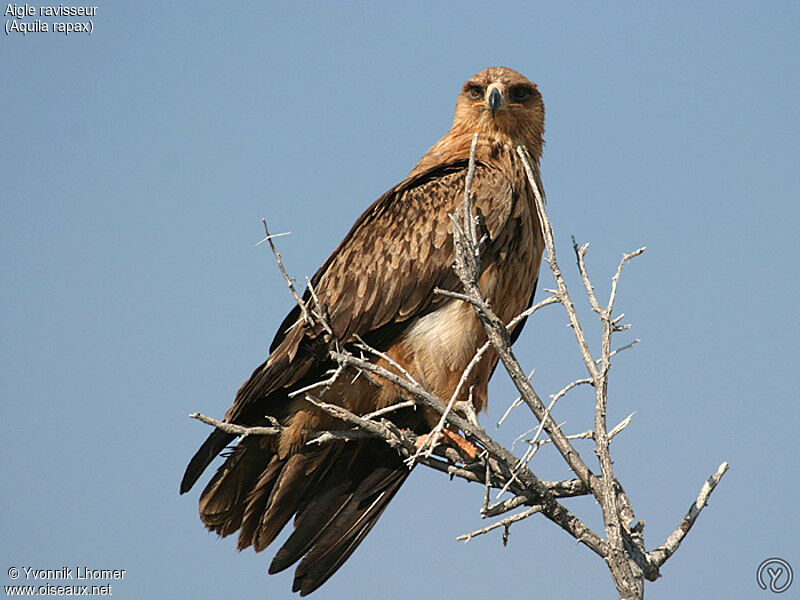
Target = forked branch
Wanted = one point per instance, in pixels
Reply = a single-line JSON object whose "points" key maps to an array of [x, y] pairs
{"points": [[623, 547]]}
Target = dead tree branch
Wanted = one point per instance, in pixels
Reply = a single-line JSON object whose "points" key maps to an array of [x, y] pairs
{"points": [[622, 547], [659, 555]]}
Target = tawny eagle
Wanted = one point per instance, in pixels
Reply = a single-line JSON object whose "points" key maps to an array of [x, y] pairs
{"points": [[379, 285]]}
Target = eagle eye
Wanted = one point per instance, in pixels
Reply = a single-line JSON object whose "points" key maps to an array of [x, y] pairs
{"points": [[474, 92], [520, 93]]}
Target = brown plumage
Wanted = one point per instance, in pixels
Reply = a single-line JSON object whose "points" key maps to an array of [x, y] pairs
{"points": [[378, 284]]}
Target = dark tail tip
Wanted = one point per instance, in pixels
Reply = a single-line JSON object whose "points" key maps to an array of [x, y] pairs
{"points": [[203, 457]]}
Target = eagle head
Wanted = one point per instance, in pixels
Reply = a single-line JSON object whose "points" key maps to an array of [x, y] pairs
{"points": [[500, 101]]}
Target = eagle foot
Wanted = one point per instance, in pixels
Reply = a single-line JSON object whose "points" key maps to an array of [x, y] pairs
{"points": [[451, 438]]}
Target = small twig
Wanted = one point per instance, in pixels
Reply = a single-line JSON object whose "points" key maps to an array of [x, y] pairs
{"points": [[621, 425], [584, 435], [324, 437], [306, 316], [370, 350], [321, 311], [468, 408], [529, 311], [502, 523], [517, 402], [566, 389], [235, 429], [469, 222], [554, 398], [560, 489], [318, 438], [487, 489], [389, 409], [615, 279], [498, 508], [433, 436], [562, 292], [580, 254], [376, 429], [272, 237], [625, 347], [457, 296], [539, 428], [538, 443], [325, 383]]}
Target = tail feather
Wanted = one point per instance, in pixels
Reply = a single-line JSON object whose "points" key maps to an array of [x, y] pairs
{"points": [[257, 503], [340, 539], [317, 511], [358, 493], [336, 494], [283, 500], [213, 445], [318, 516], [223, 500]]}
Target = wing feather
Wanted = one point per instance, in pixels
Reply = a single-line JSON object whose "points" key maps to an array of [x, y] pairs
{"points": [[384, 271], [415, 252]]}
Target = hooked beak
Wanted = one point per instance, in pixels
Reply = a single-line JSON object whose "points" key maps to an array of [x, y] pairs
{"points": [[495, 100]]}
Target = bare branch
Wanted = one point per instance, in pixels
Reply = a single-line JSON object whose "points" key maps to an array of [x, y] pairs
{"points": [[325, 384], [370, 350], [553, 510], [561, 293], [517, 402], [468, 408], [580, 254], [389, 409], [565, 390], [376, 429], [528, 312], [554, 398], [470, 224], [433, 437], [321, 311], [241, 430], [625, 347], [325, 437], [615, 280], [560, 489], [233, 428], [272, 237], [621, 425], [584, 435], [487, 489], [502, 523], [659, 556], [473, 473], [289, 282], [498, 335], [457, 296]]}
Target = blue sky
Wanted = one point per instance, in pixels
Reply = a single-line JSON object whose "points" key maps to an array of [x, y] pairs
{"points": [[138, 161]]}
